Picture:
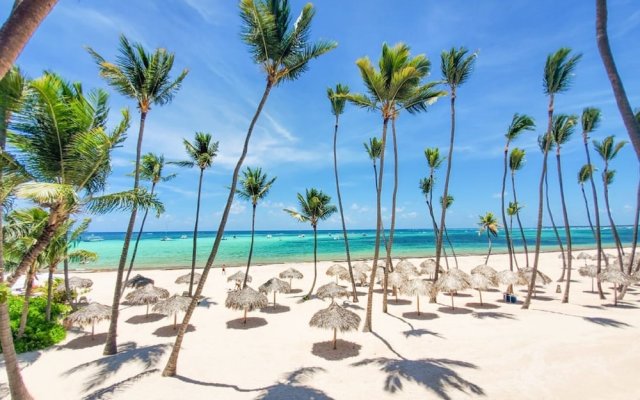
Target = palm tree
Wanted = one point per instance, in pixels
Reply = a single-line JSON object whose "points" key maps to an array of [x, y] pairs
{"points": [[253, 187], [338, 101], [602, 39], [394, 86], [426, 187], [513, 209], [488, 223], [585, 173], [608, 149], [151, 169], [519, 124], [434, 160], [145, 78], [448, 204], [590, 121], [374, 151], [516, 162], [283, 51], [24, 19], [563, 128], [314, 207], [558, 71], [201, 153], [456, 68]]}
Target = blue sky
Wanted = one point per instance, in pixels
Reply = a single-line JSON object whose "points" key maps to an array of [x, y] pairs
{"points": [[293, 138]]}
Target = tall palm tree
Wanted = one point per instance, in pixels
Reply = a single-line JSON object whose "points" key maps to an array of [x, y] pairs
{"points": [[314, 207], [434, 160], [374, 151], [608, 149], [201, 153], [456, 65], [519, 124], [25, 17], [563, 128], [585, 173], [513, 209], [448, 204], [516, 162], [590, 120], [151, 169], [337, 99], [283, 51], [253, 187], [558, 72], [489, 224], [426, 187], [602, 39], [394, 86], [144, 77]]}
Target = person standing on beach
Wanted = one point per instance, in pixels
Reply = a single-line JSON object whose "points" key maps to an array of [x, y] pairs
{"points": [[223, 270]]}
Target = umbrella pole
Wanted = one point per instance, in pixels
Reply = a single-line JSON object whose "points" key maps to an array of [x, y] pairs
{"points": [[335, 333], [290, 282], [451, 294], [592, 283], [274, 299], [480, 292], [396, 293], [93, 326], [418, 302], [615, 295], [245, 316], [147, 311], [175, 321]]}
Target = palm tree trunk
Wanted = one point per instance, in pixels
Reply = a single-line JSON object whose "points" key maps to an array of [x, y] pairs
{"points": [[25, 305], [195, 235], [67, 288], [524, 239], [18, 29], [614, 230], [586, 205], [490, 247], [384, 235], [315, 262], [368, 326], [393, 216], [555, 229], [344, 226], [630, 270], [543, 174], [453, 252], [111, 344], [565, 297], [602, 38], [49, 293], [596, 215], [172, 364], [253, 231], [135, 246], [515, 259], [445, 192], [502, 208]]}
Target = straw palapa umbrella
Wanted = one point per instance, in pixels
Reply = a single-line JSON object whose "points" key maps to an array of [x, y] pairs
{"points": [[77, 283], [274, 285], [416, 287], [482, 282], [187, 278], [590, 271], [238, 278], [428, 267], [291, 274], [335, 317], [584, 256], [148, 294], [453, 281], [332, 290], [357, 276], [361, 267], [617, 277], [396, 279], [485, 270], [527, 274], [336, 270], [89, 315], [139, 281], [172, 306], [246, 299], [407, 268]]}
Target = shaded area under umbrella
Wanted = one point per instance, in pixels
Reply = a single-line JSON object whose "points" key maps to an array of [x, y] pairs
{"points": [[336, 318], [89, 314], [416, 287], [246, 299], [482, 282], [453, 281]]}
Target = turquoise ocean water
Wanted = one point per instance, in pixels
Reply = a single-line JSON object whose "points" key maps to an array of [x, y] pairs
{"points": [[173, 249]]}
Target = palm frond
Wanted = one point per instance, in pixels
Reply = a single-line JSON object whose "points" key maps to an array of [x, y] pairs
{"points": [[519, 124], [590, 119], [558, 71], [125, 201]]}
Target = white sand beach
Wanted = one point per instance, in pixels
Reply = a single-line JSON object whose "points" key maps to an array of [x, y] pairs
{"points": [[586, 349]]}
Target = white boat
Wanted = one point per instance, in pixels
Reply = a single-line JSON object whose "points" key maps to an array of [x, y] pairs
{"points": [[301, 235], [166, 239], [94, 238], [269, 236], [183, 237]]}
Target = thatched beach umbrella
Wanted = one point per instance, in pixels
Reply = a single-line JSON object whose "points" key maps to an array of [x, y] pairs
{"points": [[357, 276], [336, 270], [331, 290], [396, 279], [238, 278], [617, 277], [428, 267], [246, 299], [139, 281], [274, 285], [90, 314], [187, 278], [361, 267], [453, 281], [335, 317], [590, 271], [508, 277], [527, 275], [416, 287], [148, 294], [172, 306], [482, 282], [485, 270], [407, 268], [78, 283], [291, 274], [562, 255]]}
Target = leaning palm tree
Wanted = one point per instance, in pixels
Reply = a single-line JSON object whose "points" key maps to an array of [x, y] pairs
{"points": [[489, 224], [584, 174], [394, 86], [337, 99], [563, 128], [283, 51], [456, 65], [253, 187], [448, 204], [201, 153], [314, 207], [151, 169], [558, 71], [516, 162], [519, 124], [608, 149], [602, 39], [590, 121], [434, 160], [426, 187], [513, 209], [145, 78], [374, 151]]}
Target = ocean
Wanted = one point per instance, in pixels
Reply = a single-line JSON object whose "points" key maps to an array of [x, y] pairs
{"points": [[173, 249]]}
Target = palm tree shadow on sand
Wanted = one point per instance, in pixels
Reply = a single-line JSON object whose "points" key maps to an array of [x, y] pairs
{"points": [[344, 349]]}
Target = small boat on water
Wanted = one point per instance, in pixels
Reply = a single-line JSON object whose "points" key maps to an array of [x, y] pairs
{"points": [[94, 238], [183, 237], [166, 239], [301, 235], [269, 236]]}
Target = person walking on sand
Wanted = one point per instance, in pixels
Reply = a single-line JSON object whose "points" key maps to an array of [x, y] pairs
{"points": [[224, 272]]}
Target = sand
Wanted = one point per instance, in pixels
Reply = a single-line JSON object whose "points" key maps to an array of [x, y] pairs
{"points": [[586, 349]]}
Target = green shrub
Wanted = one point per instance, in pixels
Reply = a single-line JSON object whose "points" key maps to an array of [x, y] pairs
{"points": [[39, 333]]}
